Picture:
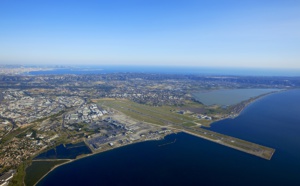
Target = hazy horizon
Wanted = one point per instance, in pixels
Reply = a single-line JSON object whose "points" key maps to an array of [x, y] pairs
{"points": [[228, 34], [187, 70]]}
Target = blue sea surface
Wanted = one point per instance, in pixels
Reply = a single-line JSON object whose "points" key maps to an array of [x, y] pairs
{"points": [[273, 121], [168, 70]]}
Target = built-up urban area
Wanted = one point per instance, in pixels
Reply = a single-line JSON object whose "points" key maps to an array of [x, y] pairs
{"points": [[106, 111]]}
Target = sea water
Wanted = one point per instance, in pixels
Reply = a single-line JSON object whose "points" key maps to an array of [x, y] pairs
{"points": [[273, 121]]}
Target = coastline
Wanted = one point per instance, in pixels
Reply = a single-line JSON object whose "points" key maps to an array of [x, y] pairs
{"points": [[245, 105], [88, 155]]}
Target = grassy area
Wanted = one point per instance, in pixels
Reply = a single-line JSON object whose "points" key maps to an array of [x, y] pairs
{"points": [[20, 132], [167, 115], [23, 134], [189, 124], [205, 123], [52, 117], [38, 169], [157, 115], [122, 108], [19, 176], [16, 132]]}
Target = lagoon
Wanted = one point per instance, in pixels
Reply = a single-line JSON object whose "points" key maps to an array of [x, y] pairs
{"points": [[68, 151], [229, 97]]}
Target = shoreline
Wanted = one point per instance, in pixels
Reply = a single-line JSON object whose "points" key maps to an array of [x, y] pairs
{"points": [[273, 90], [88, 155], [246, 104]]}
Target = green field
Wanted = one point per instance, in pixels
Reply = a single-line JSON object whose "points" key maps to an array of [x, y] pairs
{"points": [[38, 169], [168, 116], [157, 115]]}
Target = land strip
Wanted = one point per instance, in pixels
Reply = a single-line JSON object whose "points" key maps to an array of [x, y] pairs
{"points": [[67, 161], [169, 119]]}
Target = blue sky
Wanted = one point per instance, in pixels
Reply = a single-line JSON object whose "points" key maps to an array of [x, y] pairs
{"points": [[206, 33]]}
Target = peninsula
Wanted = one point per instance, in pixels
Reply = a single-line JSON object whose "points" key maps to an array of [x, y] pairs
{"points": [[39, 113]]}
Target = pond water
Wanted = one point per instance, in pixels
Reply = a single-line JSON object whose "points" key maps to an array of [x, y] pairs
{"points": [[68, 151]]}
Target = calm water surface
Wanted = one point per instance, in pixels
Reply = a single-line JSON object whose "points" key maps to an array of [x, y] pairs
{"points": [[273, 121], [68, 151], [229, 97]]}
